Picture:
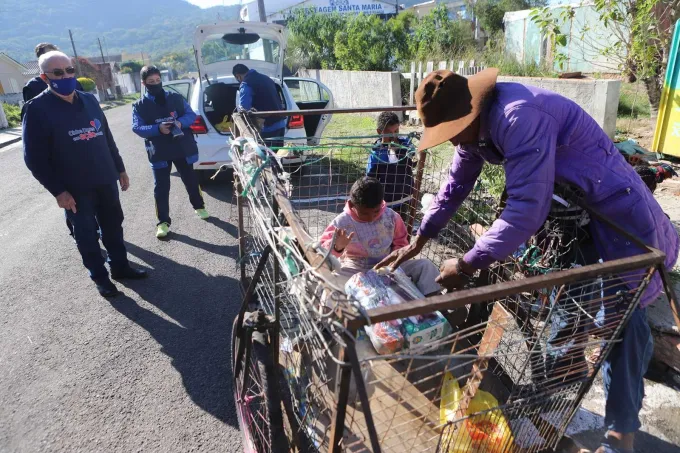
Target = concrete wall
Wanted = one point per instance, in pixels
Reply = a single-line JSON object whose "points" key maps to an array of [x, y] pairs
{"points": [[126, 83], [354, 89], [587, 38], [599, 98]]}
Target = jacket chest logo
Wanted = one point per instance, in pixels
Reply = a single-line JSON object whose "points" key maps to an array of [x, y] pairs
{"points": [[172, 117], [88, 132]]}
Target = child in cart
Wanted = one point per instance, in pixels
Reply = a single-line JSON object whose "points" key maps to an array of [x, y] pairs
{"points": [[368, 231], [391, 164]]}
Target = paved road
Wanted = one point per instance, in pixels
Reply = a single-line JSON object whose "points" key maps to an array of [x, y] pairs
{"points": [[147, 371]]}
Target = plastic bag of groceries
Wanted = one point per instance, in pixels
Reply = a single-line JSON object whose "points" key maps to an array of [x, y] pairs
{"points": [[372, 290], [486, 432]]}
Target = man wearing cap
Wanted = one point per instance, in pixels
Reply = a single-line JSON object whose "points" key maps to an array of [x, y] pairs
{"points": [[542, 139]]}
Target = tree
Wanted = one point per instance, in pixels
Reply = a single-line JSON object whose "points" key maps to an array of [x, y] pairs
{"points": [[181, 62], [131, 66], [365, 43], [640, 32], [490, 12], [436, 36], [401, 29], [90, 71], [312, 39]]}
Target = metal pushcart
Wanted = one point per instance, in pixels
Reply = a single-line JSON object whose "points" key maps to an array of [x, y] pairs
{"points": [[508, 376]]}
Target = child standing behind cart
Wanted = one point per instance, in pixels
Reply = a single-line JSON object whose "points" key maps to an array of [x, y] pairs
{"points": [[368, 231], [391, 164]]}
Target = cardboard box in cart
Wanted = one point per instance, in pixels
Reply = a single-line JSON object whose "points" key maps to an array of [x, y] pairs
{"points": [[433, 328]]}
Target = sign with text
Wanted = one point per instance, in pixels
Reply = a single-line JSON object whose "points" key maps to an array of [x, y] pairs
{"points": [[280, 12]]}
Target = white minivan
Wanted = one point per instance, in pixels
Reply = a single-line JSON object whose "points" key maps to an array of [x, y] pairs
{"points": [[261, 46]]}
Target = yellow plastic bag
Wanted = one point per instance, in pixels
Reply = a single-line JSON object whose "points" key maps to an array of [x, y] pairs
{"points": [[225, 125], [488, 432]]}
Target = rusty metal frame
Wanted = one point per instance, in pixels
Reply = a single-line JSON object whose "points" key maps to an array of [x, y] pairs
{"points": [[651, 259], [280, 113]]}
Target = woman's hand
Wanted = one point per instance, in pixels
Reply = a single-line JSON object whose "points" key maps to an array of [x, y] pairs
{"points": [[342, 239], [397, 257]]}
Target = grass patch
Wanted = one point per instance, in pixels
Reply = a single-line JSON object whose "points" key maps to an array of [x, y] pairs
{"points": [[13, 113], [633, 101], [345, 125]]}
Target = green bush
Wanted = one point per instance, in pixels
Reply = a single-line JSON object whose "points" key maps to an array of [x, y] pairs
{"points": [[86, 83], [494, 56], [13, 113]]}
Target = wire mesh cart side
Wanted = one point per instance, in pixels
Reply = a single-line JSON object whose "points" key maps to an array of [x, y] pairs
{"points": [[508, 377]]}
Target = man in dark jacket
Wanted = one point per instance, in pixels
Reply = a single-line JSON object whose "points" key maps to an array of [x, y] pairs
{"points": [[37, 85], [69, 148], [163, 119], [258, 91]]}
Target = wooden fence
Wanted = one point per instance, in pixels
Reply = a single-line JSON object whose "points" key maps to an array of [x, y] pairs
{"points": [[417, 74]]}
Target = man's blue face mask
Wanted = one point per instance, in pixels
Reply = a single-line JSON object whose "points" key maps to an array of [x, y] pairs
{"points": [[63, 86]]}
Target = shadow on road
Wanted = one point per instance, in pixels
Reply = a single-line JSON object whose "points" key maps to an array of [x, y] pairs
{"points": [[220, 188], [222, 250], [198, 342], [644, 442]]}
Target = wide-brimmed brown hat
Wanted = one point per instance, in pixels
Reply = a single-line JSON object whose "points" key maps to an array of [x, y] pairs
{"points": [[448, 103]]}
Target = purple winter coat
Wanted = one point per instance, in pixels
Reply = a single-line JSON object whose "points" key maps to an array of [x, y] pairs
{"points": [[541, 138]]}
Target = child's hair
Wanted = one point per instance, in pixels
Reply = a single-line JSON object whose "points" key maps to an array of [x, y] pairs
{"points": [[386, 119], [367, 193]]}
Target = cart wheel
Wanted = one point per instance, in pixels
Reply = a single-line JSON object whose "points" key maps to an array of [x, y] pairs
{"points": [[258, 405]]}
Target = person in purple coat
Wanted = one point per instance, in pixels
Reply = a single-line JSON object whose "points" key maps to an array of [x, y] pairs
{"points": [[542, 139]]}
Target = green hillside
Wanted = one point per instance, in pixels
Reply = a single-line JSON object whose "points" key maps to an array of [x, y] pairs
{"points": [[128, 25]]}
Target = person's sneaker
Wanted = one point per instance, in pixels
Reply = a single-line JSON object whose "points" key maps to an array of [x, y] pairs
{"points": [[202, 213], [106, 287], [129, 273], [162, 230]]}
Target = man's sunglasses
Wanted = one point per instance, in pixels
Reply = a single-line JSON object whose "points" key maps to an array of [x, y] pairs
{"points": [[60, 72]]}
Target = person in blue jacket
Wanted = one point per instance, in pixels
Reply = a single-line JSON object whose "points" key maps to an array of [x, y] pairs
{"points": [[391, 163], [258, 91], [69, 148], [37, 85], [163, 118]]}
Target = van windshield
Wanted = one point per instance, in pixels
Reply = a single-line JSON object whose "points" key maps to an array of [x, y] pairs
{"points": [[214, 49]]}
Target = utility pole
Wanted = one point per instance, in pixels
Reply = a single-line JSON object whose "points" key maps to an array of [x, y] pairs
{"points": [[101, 50], [105, 72], [75, 53], [106, 44], [260, 8]]}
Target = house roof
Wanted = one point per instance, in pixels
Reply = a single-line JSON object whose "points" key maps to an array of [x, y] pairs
{"points": [[118, 58], [12, 61], [32, 68]]}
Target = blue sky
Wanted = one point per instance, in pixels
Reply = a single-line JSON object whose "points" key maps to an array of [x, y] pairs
{"points": [[209, 3]]}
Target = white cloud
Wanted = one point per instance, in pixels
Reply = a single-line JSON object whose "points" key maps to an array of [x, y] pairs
{"points": [[211, 3]]}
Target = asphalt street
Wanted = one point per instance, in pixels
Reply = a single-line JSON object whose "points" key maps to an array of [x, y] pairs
{"points": [[147, 371]]}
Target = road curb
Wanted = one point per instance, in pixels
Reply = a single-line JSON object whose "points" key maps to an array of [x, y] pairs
{"points": [[10, 142]]}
